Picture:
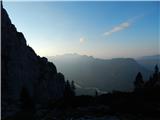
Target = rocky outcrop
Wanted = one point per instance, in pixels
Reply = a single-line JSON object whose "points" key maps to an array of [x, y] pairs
{"points": [[22, 67]]}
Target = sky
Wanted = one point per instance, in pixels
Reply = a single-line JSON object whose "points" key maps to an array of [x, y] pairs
{"points": [[98, 29]]}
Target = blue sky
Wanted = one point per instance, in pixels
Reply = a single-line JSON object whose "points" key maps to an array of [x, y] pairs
{"points": [[100, 29]]}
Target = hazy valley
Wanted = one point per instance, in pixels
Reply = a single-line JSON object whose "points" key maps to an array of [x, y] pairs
{"points": [[106, 75]]}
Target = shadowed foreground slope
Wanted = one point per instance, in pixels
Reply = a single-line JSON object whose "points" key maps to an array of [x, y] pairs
{"points": [[23, 68]]}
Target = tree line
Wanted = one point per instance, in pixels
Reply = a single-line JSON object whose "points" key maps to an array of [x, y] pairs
{"points": [[153, 84]]}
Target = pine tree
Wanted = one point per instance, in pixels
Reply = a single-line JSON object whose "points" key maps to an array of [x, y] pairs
{"points": [[96, 93], [69, 89], [73, 88], [156, 69], [139, 83], [155, 75]]}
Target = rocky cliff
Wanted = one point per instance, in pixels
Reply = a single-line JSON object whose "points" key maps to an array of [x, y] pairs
{"points": [[22, 67]]}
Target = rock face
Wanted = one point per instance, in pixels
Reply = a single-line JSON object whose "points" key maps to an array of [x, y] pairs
{"points": [[21, 67]]}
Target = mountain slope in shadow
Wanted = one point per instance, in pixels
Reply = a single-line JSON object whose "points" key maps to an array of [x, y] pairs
{"points": [[106, 75], [23, 68]]}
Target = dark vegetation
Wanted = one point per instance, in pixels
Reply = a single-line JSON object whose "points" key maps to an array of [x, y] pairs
{"points": [[144, 101]]}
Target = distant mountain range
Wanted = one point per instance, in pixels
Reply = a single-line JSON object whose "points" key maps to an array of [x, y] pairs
{"points": [[101, 74], [149, 61]]}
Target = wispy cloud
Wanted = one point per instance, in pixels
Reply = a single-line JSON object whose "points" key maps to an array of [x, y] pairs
{"points": [[118, 28], [82, 40], [124, 25]]}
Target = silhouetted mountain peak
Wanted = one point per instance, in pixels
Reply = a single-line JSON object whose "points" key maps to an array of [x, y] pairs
{"points": [[22, 67], [72, 55]]}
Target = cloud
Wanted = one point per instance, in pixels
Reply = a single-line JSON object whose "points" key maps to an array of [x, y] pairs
{"points": [[123, 25], [118, 28], [82, 40]]}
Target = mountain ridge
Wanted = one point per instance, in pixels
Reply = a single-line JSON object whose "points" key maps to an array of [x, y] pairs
{"points": [[23, 68], [91, 72], [149, 62]]}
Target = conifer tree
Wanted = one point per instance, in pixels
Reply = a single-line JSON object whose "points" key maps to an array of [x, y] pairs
{"points": [[139, 83]]}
